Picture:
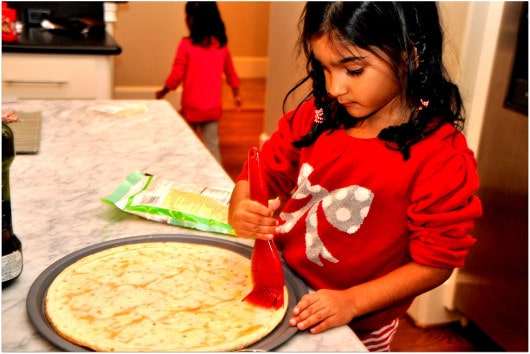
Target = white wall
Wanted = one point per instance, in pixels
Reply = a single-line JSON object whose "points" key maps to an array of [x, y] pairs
{"points": [[284, 68], [149, 31], [480, 42]]}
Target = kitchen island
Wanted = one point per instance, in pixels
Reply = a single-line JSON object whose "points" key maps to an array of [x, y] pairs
{"points": [[87, 149]]}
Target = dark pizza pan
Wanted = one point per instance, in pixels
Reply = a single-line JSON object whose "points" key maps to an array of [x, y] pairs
{"points": [[37, 292]]}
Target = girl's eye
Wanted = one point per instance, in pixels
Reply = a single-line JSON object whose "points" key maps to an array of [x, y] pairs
{"points": [[355, 72]]}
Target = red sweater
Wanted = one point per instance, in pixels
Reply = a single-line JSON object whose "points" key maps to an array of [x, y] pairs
{"points": [[201, 71], [359, 211]]}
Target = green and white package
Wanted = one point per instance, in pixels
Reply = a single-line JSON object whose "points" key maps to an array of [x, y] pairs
{"points": [[182, 204]]}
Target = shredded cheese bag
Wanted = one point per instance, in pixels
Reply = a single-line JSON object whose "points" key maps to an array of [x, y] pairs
{"points": [[181, 204]]}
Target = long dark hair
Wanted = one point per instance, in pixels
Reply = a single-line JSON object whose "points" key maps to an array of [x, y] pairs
{"points": [[409, 34], [204, 21]]}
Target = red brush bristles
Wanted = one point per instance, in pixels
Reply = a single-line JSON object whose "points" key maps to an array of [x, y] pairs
{"points": [[266, 297]]}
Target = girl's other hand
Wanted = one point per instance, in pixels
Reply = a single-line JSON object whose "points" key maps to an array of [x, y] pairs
{"points": [[322, 310]]}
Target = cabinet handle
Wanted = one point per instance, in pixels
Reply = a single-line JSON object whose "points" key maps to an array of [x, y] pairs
{"points": [[31, 82]]}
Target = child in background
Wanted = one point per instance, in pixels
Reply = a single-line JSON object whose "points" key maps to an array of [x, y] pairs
{"points": [[200, 61], [376, 182]]}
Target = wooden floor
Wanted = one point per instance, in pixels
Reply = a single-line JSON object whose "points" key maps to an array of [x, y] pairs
{"points": [[239, 130]]}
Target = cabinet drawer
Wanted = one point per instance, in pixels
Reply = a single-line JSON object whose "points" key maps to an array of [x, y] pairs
{"points": [[56, 76]]}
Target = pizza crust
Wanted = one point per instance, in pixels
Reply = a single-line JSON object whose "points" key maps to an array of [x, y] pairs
{"points": [[159, 296]]}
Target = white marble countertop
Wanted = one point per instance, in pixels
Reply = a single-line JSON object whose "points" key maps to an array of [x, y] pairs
{"points": [[87, 149]]}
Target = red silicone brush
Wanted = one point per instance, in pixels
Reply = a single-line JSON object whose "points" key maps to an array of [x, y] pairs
{"points": [[266, 266]]}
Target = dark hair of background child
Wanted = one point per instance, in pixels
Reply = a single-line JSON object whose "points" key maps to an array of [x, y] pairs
{"points": [[204, 22]]}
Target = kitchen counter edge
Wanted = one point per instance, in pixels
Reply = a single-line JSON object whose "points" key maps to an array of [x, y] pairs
{"points": [[46, 43]]}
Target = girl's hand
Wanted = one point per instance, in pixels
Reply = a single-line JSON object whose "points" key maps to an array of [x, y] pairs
{"points": [[254, 220], [322, 310], [250, 218]]}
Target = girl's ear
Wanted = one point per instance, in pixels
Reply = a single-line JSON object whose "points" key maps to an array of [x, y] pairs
{"points": [[415, 57], [410, 61]]}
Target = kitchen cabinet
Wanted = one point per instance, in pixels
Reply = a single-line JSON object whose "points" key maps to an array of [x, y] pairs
{"points": [[45, 64], [56, 76]]}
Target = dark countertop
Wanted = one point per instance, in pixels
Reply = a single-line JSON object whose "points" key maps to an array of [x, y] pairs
{"points": [[40, 41]]}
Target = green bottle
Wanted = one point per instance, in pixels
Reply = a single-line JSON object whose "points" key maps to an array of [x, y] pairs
{"points": [[11, 245]]}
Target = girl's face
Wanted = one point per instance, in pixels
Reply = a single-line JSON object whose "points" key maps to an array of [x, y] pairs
{"points": [[364, 83]]}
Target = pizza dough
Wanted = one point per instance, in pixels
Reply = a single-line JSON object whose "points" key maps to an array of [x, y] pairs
{"points": [[159, 296]]}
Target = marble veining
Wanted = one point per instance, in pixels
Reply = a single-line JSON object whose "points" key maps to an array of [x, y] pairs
{"points": [[87, 149]]}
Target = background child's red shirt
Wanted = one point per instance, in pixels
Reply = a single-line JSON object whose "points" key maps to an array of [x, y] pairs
{"points": [[200, 70]]}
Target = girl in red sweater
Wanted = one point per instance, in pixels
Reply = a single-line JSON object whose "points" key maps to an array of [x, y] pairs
{"points": [[200, 61], [375, 181]]}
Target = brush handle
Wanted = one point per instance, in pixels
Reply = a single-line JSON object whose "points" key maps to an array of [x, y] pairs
{"points": [[257, 188], [258, 192], [266, 265]]}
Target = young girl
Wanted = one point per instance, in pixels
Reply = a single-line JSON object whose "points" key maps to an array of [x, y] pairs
{"points": [[377, 180], [200, 61]]}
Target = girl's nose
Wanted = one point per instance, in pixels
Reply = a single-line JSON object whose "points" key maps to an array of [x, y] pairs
{"points": [[335, 86]]}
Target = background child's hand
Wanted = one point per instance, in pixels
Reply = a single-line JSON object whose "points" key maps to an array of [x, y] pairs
{"points": [[237, 102], [322, 310], [237, 98], [161, 93]]}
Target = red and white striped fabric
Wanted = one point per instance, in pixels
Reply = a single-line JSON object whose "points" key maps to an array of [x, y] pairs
{"points": [[380, 339]]}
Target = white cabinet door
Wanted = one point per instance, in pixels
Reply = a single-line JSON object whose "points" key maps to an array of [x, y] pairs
{"points": [[56, 76]]}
